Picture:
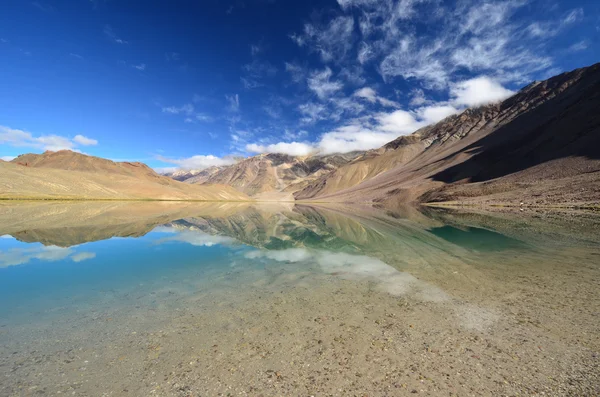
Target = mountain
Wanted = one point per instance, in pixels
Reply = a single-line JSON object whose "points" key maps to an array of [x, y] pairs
{"points": [[201, 176], [539, 147], [273, 176], [73, 161], [69, 175], [182, 175]]}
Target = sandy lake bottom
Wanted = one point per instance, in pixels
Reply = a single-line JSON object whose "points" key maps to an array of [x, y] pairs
{"points": [[297, 301]]}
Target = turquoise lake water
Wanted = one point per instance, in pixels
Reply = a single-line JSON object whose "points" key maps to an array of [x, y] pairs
{"points": [[295, 301]]}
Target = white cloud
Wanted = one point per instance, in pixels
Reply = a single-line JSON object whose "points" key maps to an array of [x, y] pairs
{"points": [[365, 133], [366, 93], [370, 95], [478, 91], [374, 132], [319, 82], [20, 138], [354, 137], [85, 141], [399, 122], [433, 114], [198, 162], [7, 158], [483, 37], [291, 148], [140, 67]]}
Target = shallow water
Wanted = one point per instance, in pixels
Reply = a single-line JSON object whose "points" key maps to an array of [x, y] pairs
{"points": [[145, 299]]}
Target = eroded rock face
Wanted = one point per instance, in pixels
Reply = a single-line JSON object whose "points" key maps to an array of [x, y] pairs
{"points": [[532, 134]]}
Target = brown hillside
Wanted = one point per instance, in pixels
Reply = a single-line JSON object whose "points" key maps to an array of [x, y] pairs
{"points": [[119, 181]]}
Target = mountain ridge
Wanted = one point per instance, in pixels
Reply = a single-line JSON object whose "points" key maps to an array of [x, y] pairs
{"points": [[413, 168], [69, 175]]}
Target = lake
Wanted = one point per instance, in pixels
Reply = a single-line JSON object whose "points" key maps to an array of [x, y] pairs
{"points": [[223, 299]]}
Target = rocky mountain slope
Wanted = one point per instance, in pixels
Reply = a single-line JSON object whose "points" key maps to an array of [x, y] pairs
{"points": [[272, 176], [68, 175], [541, 146], [182, 175]]}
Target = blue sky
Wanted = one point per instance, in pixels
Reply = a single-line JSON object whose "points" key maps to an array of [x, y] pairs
{"points": [[195, 83]]}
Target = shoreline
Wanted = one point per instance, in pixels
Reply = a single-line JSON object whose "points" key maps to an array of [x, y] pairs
{"points": [[442, 204]]}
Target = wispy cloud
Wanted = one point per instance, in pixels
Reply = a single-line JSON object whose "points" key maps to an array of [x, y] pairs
{"points": [[172, 56], [187, 109], [321, 84], [370, 95], [141, 67], [110, 33], [234, 102], [192, 115], [579, 46], [331, 40]]}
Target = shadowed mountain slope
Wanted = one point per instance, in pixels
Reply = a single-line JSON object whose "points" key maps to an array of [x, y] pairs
{"points": [[544, 139]]}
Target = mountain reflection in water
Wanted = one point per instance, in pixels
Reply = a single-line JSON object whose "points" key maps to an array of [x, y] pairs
{"points": [[102, 278]]}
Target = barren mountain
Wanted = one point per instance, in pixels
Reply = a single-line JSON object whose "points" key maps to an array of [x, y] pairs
{"points": [[541, 146], [69, 175], [182, 175], [273, 176], [202, 176], [72, 161]]}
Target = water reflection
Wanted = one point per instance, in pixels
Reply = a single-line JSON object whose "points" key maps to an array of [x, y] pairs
{"points": [[477, 239], [21, 256], [293, 289]]}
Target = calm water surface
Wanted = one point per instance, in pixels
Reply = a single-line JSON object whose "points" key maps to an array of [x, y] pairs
{"points": [[115, 299]]}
